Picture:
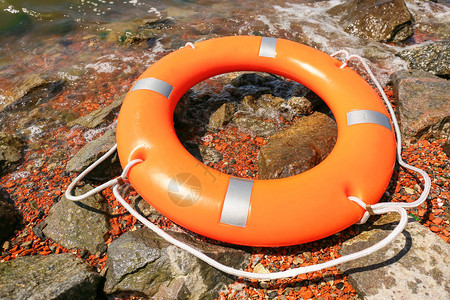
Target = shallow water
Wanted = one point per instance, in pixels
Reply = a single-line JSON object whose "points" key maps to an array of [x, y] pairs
{"points": [[80, 42]]}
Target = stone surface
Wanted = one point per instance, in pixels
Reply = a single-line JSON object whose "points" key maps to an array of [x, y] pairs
{"points": [[141, 262], [56, 276], [9, 219], [256, 125], [446, 148], [222, 116], [80, 224], [100, 116], [10, 152], [430, 57], [383, 21], [30, 87], [423, 104], [33, 91], [416, 265], [298, 148], [91, 152]]}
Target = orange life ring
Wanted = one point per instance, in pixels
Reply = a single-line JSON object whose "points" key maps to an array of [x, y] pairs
{"points": [[278, 212]]}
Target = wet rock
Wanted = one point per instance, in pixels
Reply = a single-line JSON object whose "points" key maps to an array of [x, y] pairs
{"points": [[80, 224], [33, 91], [10, 152], [298, 148], [301, 105], [222, 116], [423, 104], [138, 32], [9, 219], [446, 148], [383, 21], [101, 116], [91, 152], [415, 265], [56, 276], [141, 262], [431, 57], [256, 125], [249, 79], [269, 106]]}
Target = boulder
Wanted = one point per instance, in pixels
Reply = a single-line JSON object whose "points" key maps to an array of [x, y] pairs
{"points": [[446, 148], [382, 21], [56, 276], [79, 224], [101, 116], [93, 151], [33, 91], [10, 152], [222, 116], [9, 219], [431, 57], [416, 265], [423, 104], [256, 125], [140, 262], [298, 148]]}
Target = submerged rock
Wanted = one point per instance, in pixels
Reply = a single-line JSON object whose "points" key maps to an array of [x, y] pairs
{"points": [[416, 265], [10, 152], [79, 224], [56, 276], [91, 152], [32, 92], [9, 219], [423, 104], [430, 57], [143, 263], [382, 21], [101, 116], [298, 148]]}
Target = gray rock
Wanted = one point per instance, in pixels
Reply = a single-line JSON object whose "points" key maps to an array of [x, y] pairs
{"points": [[141, 262], [91, 152], [298, 148], [9, 219], [100, 116], [80, 224], [222, 116], [33, 91], [383, 21], [10, 151], [416, 265], [256, 125], [423, 104], [430, 57], [56, 276]]}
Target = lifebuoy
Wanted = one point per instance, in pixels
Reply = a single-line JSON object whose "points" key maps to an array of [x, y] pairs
{"points": [[278, 212]]}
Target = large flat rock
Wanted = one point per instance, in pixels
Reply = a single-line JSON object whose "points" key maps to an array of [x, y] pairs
{"points": [[57, 276], [423, 104], [416, 265], [140, 262], [79, 224]]}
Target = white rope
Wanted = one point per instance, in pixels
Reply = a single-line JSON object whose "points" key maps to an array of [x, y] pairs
{"points": [[376, 209]]}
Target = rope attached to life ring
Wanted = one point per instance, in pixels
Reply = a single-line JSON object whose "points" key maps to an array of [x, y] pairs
{"points": [[375, 209]]}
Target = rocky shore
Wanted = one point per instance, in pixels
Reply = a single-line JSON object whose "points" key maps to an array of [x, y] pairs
{"points": [[247, 124]]}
